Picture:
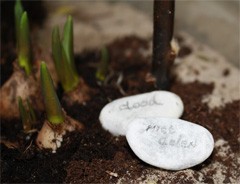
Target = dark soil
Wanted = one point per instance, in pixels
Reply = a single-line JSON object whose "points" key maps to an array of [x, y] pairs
{"points": [[95, 156]]}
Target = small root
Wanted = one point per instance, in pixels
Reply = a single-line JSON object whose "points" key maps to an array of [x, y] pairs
{"points": [[112, 174], [28, 147], [118, 84]]}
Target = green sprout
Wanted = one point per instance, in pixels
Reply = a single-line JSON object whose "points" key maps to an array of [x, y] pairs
{"points": [[22, 38], [18, 11], [24, 51], [103, 65], [27, 115], [63, 56], [67, 44], [31, 112], [51, 101]]}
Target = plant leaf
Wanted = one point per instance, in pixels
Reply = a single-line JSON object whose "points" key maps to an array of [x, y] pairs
{"points": [[56, 52], [63, 56], [31, 112], [51, 101], [103, 65], [24, 50], [69, 81], [67, 43], [18, 11], [25, 116]]}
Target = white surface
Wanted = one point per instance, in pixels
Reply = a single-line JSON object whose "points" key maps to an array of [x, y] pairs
{"points": [[207, 66], [116, 115], [167, 143]]}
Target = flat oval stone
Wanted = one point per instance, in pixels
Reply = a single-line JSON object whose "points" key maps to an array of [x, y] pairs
{"points": [[167, 143], [116, 115]]}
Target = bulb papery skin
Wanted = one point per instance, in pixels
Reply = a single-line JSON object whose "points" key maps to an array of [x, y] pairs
{"points": [[51, 136], [80, 95], [48, 138], [19, 85]]}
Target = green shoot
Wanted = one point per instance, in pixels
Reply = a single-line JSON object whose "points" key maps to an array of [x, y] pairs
{"points": [[24, 50], [18, 11], [69, 81], [57, 53], [103, 65], [23, 115], [67, 43], [51, 101], [62, 51], [31, 112], [62, 65], [27, 115]]}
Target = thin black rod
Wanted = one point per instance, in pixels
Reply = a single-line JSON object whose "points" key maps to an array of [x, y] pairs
{"points": [[162, 35]]}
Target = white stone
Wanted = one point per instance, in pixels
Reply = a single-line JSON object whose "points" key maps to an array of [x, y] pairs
{"points": [[168, 143], [116, 115]]}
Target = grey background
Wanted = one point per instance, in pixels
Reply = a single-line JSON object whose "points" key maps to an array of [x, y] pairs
{"points": [[213, 22]]}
